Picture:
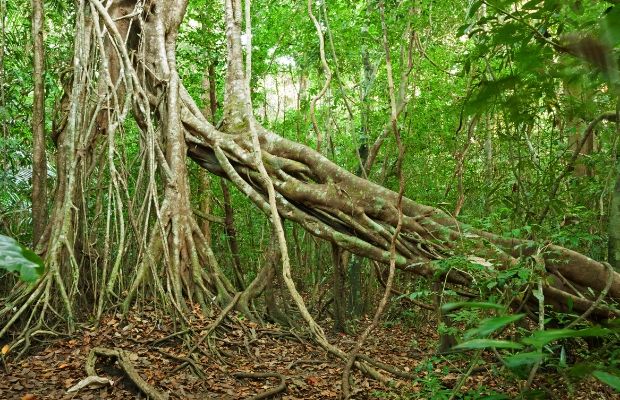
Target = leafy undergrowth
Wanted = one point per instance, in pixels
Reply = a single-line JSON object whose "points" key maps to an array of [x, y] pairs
{"points": [[51, 369]]}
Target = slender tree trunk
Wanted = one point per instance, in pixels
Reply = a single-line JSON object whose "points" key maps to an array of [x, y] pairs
{"points": [[231, 235], [338, 290], [356, 305], [489, 160], [446, 340], [39, 162], [614, 227], [210, 93], [614, 223], [488, 149], [209, 110], [613, 254]]}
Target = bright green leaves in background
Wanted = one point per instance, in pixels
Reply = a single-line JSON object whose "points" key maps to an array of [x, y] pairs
{"points": [[17, 258]]}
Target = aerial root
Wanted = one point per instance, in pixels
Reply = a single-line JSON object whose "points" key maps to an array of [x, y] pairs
{"points": [[281, 387], [217, 322], [31, 306], [124, 361]]}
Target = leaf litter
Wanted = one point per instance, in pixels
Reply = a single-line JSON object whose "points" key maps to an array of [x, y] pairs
{"points": [[160, 355]]}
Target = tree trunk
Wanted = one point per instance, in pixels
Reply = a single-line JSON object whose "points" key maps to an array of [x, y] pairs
{"points": [[231, 235], [614, 224], [356, 305], [338, 290], [39, 161]]}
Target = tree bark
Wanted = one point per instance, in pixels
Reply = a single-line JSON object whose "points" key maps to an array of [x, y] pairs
{"points": [[613, 226], [231, 235], [39, 161], [338, 290]]}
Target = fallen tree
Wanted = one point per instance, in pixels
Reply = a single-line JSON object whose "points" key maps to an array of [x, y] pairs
{"points": [[359, 215]]}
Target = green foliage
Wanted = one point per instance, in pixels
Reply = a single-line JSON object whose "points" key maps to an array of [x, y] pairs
{"points": [[521, 359], [488, 343], [611, 380], [17, 258], [432, 385], [490, 325], [539, 339], [471, 304], [536, 347]]}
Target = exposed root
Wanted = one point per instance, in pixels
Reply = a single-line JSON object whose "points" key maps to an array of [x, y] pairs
{"points": [[299, 362], [186, 361], [281, 387], [35, 299], [217, 322], [125, 363], [597, 302], [387, 367]]}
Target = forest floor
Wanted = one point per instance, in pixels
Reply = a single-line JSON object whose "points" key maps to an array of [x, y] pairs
{"points": [[308, 372]]}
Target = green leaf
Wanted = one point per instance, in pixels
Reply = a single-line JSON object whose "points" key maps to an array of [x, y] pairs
{"points": [[532, 4], [581, 369], [34, 258], [470, 304], [419, 294], [463, 29], [473, 9], [485, 343], [611, 380], [563, 357], [16, 258], [490, 325], [521, 359], [611, 26], [541, 338]]}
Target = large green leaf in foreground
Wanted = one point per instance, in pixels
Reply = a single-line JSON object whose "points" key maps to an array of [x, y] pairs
{"points": [[17, 258]]}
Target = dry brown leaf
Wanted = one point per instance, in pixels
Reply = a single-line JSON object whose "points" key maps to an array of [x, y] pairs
{"points": [[312, 380], [92, 381], [28, 397]]}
